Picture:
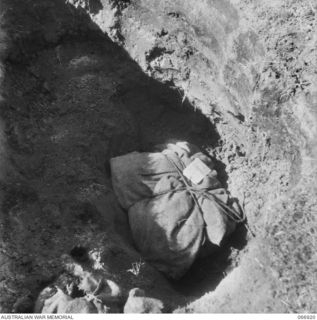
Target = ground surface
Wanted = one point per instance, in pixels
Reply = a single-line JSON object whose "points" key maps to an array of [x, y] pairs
{"points": [[235, 77]]}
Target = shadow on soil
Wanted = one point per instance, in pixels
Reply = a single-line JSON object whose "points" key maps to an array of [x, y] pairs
{"points": [[154, 109]]}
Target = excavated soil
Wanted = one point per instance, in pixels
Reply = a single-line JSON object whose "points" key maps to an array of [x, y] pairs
{"points": [[83, 81]]}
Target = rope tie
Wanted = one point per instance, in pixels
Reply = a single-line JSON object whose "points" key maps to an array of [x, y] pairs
{"points": [[225, 209]]}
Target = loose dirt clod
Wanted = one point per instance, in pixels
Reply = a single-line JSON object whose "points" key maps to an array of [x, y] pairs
{"points": [[138, 303]]}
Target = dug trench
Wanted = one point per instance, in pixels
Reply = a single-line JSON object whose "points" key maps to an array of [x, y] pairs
{"points": [[68, 109], [73, 99]]}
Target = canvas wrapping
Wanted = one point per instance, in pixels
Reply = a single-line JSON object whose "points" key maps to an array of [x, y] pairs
{"points": [[170, 217]]}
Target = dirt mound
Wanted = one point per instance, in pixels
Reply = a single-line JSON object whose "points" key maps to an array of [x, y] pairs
{"points": [[84, 81]]}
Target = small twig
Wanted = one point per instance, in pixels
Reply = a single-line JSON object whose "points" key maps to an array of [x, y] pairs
{"points": [[259, 263], [136, 267], [246, 221], [249, 229], [286, 303]]}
